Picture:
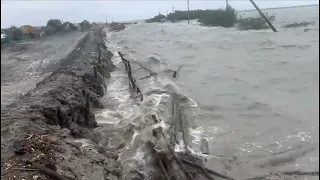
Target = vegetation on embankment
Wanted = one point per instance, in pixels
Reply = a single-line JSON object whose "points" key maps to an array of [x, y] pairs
{"points": [[115, 26], [53, 26], [298, 24], [217, 17], [253, 23], [183, 15], [157, 18]]}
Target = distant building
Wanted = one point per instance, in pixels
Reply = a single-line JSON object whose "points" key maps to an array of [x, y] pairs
{"points": [[27, 29]]}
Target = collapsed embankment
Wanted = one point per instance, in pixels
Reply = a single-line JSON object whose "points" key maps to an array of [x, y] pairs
{"points": [[163, 133], [37, 131]]}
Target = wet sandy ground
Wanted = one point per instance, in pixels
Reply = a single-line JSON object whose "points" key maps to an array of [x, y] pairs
{"points": [[28, 62]]}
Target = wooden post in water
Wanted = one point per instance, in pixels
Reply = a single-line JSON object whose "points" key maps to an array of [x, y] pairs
{"points": [[188, 12], [173, 13], [264, 17]]}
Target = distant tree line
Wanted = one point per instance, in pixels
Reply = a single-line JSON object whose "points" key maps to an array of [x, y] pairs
{"points": [[115, 26], [157, 18], [53, 26], [217, 17], [183, 15]]}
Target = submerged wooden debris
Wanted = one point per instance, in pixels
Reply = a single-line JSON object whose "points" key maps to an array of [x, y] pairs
{"points": [[168, 163]]}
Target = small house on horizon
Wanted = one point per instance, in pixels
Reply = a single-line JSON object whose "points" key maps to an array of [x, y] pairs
{"points": [[29, 30], [3, 34]]}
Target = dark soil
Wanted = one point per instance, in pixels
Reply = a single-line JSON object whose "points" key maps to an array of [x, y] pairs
{"points": [[37, 130]]}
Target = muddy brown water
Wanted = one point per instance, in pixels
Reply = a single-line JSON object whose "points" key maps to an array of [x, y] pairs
{"points": [[256, 91]]}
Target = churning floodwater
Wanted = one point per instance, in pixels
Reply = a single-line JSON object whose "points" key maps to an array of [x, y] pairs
{"points": [[255, 93]]}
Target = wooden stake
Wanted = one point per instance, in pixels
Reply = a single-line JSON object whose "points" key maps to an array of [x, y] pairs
{"points": [[188, 12]]}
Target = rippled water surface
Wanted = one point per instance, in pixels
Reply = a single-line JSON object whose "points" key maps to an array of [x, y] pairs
{"points": [[257, 91]]}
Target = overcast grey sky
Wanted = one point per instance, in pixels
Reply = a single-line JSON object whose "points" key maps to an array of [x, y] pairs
{"points": [[38, 12]]}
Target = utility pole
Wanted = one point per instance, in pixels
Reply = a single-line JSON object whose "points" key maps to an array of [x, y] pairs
{"points": [[188, 12], [263, 16], [227, 5]]}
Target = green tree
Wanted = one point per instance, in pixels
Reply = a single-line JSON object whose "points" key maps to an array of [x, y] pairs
{"points": [[219, 17], [85, 25], [14, 33], [254, 23], [55, 24], [157, 18], [48, 30], [68, 26]]}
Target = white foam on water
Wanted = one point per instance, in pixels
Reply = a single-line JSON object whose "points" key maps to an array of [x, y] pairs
{"points": [[153, 103], [181, 148], [118, 94], [84, 142], [197, 134], [136, 159], [134, 137], [121, 105]]}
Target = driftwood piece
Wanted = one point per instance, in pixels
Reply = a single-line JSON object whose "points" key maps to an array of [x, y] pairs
{"points": [[182, 167], [95, 72], [47, 171], [301, 173], [146, 77], [288, 173], [175, 73], [206, 173], [147, 69], [204, 146], [25, 169], [163, 169], [206, 169]]}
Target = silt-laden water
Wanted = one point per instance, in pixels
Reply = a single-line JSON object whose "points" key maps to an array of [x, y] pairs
{"points": [[256, 92]]}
